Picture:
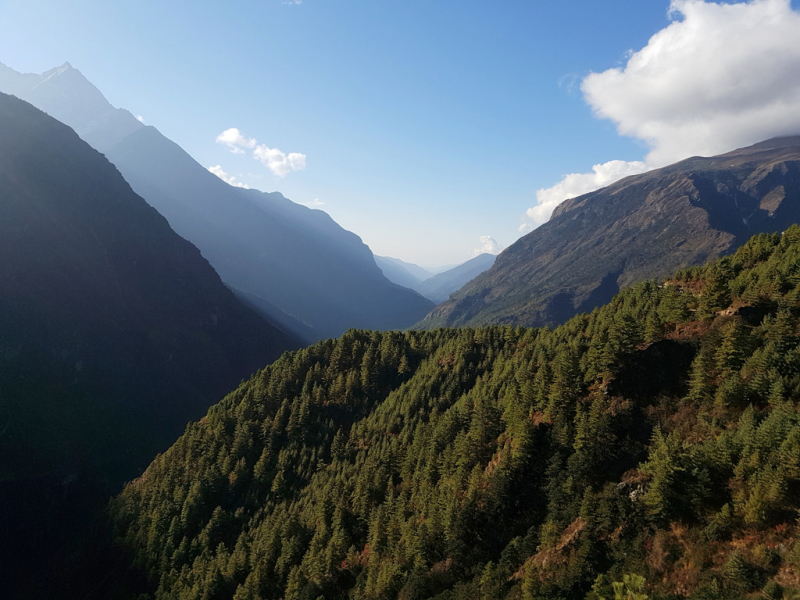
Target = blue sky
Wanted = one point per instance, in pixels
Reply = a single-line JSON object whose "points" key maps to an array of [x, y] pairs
{"points": [[424, 125]]}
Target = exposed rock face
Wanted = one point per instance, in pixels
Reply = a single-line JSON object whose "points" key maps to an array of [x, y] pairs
{"points": [[643, 226]]}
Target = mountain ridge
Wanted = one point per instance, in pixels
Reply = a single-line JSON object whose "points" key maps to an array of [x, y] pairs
{"points": [[88, 264], [323, 274], [402, 273], [438, 287], [642, 226], [296, 258], [65, 94], [114, 332]]}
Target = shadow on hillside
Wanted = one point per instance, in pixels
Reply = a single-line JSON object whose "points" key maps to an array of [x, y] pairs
{"points": [[660, 369]]}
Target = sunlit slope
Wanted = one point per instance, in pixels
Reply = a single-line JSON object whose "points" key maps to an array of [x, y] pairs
{"points": [[657, 437], [642, 226]]}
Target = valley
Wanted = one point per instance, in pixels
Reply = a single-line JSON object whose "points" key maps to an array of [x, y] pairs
{"points": [[400, 301]]}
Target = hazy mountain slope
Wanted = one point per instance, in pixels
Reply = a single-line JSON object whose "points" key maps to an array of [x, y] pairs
{"points": [[642, 226], [435, 287], [114, 329], [114, 332], [402, 273], [439, 287], [296, 258], [655, 441], [65, 94], [321, 278]]}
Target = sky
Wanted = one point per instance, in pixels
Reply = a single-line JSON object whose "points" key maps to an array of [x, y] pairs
{"points": [[433, 130]]}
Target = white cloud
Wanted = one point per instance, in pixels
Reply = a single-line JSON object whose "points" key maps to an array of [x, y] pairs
{"points": [[575, 184], [275, 160], [235, 141], [217, 170], [292, 2], [278, 162], [488, 245], [140, 118], [719, 77]]}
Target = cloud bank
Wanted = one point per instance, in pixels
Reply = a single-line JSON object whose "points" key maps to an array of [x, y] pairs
{"points": [[719, 77], [217, 170], [488, 245], [280, 163]]}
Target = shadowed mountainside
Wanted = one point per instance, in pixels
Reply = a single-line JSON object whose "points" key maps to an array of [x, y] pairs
{"points": [[104, 305], [294, 265], [114, 332]]}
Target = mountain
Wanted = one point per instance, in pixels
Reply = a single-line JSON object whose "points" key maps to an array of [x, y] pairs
{"points": [[114, 332], [648, 450], [296, 258], [64, 93], [102, 306], [435, 287], [402, 273], [642, 226], [439, 287], [294, 265]]}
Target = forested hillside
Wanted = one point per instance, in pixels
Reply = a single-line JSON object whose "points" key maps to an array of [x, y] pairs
{"points": [[650, 447]]}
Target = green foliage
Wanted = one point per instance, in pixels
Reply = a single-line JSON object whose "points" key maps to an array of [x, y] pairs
{"points": [[715, 295], [502, 462], [630, 588]]}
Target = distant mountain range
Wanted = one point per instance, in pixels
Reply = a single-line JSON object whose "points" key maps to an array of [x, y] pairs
{"points": [[642, 226], [402, 273], [292, 264], [436, 286], [439, 287]]}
